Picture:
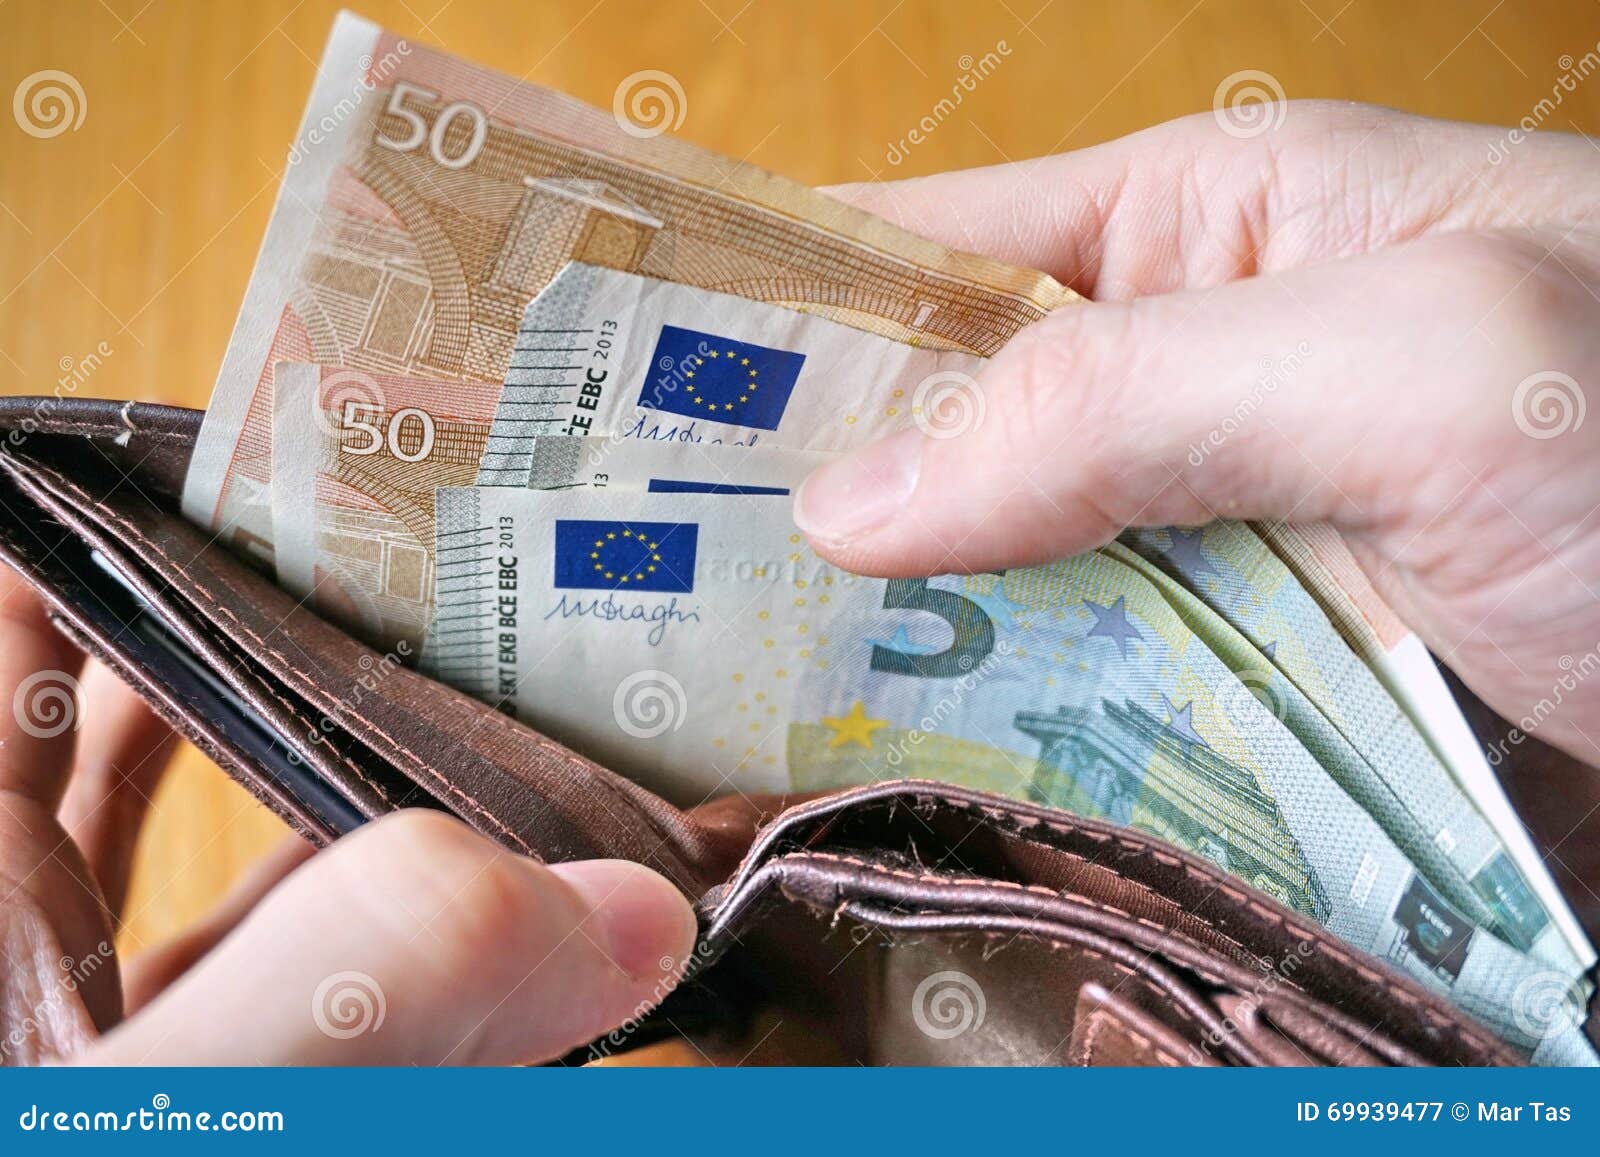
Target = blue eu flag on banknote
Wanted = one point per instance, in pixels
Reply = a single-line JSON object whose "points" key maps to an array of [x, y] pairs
{"points": [[607, 555], [701, 375]]}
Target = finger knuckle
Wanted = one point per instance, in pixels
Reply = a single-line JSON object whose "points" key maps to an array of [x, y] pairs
{"points": [[466, 890], [1524, 302]]}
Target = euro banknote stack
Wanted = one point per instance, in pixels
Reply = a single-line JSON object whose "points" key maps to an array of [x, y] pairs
{"points": [[521, 392]]}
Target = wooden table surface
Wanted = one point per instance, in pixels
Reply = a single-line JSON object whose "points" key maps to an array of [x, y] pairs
{"points": [[130, 238]]}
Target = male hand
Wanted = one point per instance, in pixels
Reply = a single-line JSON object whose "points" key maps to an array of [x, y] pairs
{"points": [[412, 941], [1356, 316]]}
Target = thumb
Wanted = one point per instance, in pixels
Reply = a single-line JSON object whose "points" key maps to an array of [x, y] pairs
{"points": [[416, 941], [1292, 395]]}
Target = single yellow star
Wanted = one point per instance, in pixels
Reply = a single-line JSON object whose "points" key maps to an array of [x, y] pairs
{"points": [[854, 727]]}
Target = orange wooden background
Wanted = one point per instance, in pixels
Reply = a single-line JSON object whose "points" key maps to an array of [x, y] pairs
{"points": [[135, 232]]}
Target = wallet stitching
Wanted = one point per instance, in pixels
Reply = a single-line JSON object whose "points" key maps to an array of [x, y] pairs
{"points": [[199, 588], [969, 911], [1101, 1018], [505, 724], [415, 761], [187, 729], [1039, 889], [890, 937], [1309, 932], [1317, 936], [266, 685], [598, 774], [60, 426]]}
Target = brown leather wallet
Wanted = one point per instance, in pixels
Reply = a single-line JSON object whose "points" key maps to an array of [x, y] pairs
{"points": [[904, 922]]}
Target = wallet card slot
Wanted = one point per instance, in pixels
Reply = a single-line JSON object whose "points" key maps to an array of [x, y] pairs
{"points": [[277, 711], [521, 788], [1139, 877], [840, 888]]}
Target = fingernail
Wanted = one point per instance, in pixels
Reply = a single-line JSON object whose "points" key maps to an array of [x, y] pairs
{"points": [[862, 493], [642, 921]]}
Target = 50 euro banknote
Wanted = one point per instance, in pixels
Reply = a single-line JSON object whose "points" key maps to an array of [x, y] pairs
{"points": [[428, 200], [693, 642], [612, 359]]}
